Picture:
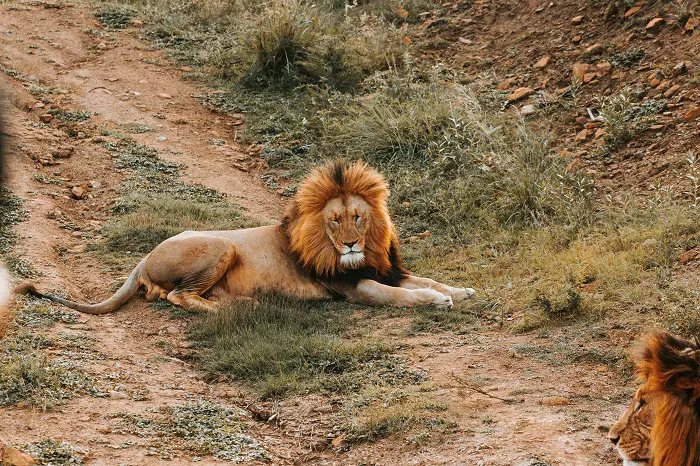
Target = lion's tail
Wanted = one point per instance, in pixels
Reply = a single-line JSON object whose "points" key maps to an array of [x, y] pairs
{"points": [[123, 294]]}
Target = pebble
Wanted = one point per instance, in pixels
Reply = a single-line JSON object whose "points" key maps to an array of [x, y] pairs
{"points": [[165, 96]]}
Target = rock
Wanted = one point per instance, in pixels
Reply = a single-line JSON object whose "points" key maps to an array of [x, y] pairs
{"points": [[102, 45], [632, 11], [62, 152], [542, 62], [10, 456], [582, 136], [79, 192], [554, 401], [690, 256], [663, 86], [604, 67], [575, 165], [580, 70], [95, 184], [692, 24], [118, 395], [654, 24], [655, 78], [680, 68], [577, 20], [425, 234], [528, 110], [520, 93], [46, 118], [39, 105], [338, 442], [506, 84], [694, 114], [600, 133], [172, 330], [136, 22], [595, 49], [163, 95], [671, 91], [407, 41], [588, 77], [576, 39]]}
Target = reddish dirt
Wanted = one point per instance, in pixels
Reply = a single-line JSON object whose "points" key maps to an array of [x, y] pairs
{"points": [[120, 80], [496, 40]]}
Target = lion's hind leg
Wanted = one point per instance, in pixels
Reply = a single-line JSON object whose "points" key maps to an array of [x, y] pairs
{"points": [[192, 266]]}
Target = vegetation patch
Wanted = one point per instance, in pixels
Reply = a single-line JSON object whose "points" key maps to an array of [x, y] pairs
{"points": [[283, 346], [624, 117], [378, 413], [116, 16], [198, 428], [34, 312], [54, 453], [29, 377], [11, 213]]}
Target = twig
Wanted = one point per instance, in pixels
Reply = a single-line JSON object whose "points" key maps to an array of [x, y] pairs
{"points": [[481, 391]]}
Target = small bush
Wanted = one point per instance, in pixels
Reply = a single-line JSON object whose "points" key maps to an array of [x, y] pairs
{"points": [[116, 16], [624, 117]]}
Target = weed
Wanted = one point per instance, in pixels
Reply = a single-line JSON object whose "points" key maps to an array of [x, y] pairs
{"points": [[54, 453], [624, 117], [11, 213], [379, 412], [116, 16], [628, 59], [136, 128], [36, 313], [30, 377], [71, 116], [199, 428]]}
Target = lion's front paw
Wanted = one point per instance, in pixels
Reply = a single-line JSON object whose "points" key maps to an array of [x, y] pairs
{"points": [[463, 294], [430, 297]]}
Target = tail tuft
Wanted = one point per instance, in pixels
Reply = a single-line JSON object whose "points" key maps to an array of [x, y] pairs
{"points": [[26, 288]]}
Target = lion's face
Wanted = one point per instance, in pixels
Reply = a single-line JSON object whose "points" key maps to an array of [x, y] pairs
{"points": [[346, 219], [339, 221], [631, 433]]}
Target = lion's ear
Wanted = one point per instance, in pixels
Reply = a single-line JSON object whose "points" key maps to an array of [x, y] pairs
{"points": [[671, 364]]}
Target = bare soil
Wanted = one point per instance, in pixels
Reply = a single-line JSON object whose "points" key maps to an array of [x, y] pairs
{"points": [[124, 81]]}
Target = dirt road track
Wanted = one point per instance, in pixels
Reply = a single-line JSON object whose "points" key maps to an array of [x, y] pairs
{"points": [[122, 81]]}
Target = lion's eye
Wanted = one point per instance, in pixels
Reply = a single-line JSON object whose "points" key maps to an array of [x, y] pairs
{"points": [[640, 404], [335, 223], [358, 218]]}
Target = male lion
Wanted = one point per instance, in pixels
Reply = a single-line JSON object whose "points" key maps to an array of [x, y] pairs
{"points": [[661, 427], [337, 239]]}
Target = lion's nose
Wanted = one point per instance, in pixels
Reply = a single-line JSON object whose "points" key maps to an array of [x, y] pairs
{"points": [[349, 244], [614, 440]]}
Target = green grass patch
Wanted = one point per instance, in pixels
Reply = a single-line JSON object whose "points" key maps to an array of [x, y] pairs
{"points": [[198, 428], [283, 346], [29, 377], [151, 221]]}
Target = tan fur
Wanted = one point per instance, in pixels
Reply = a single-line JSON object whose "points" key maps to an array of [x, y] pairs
{"points": [[336, 239], [630, 434]]}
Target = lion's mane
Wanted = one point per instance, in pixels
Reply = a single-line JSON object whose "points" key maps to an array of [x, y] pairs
{"points": [[670, 366], [305, 230]]}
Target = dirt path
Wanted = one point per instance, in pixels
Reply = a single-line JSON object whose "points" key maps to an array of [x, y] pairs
{"points": [[65, 54]]}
